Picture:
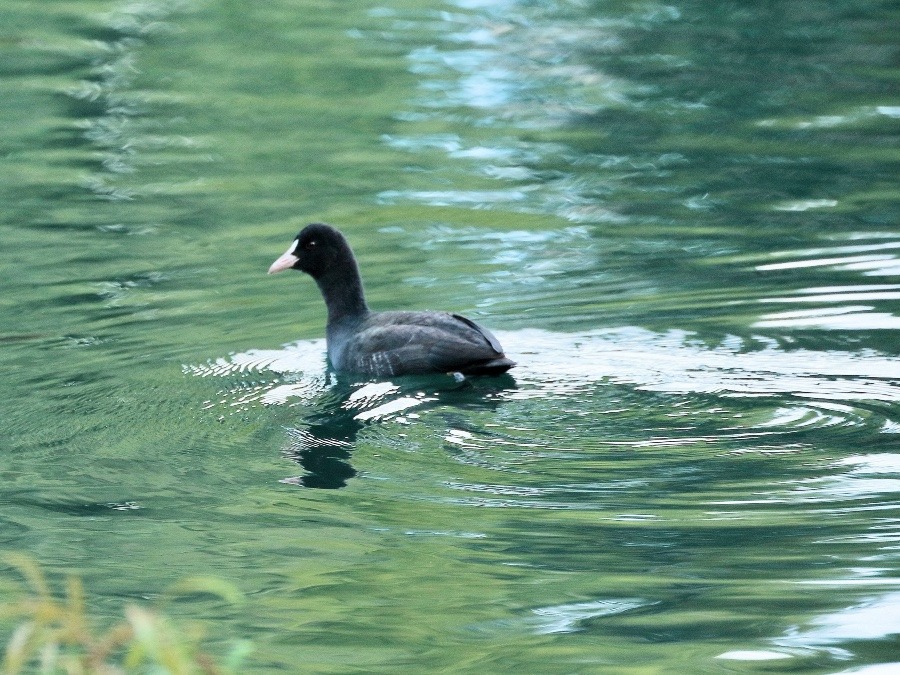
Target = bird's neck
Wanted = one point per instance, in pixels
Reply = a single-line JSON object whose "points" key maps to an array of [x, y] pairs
{"points": [[342, 290]]}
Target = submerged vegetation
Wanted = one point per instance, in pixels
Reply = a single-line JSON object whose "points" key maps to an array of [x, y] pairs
{"points": [[54, 633]]}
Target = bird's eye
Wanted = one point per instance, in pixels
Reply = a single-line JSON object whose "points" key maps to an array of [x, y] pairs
{"points": [[309, 245]]}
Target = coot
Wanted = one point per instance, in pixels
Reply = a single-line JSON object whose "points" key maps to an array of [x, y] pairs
{"points": [[383, 344]]}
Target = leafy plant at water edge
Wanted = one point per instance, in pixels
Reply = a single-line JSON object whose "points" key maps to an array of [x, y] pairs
{"points": [[56, 634]]}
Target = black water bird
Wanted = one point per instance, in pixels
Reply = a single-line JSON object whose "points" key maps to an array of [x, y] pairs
{"points": [[384, 344]]}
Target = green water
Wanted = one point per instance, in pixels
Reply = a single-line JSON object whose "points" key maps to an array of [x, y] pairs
{"points": [[681, 220]]}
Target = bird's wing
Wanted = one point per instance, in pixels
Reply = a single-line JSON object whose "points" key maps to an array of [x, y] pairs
{"points": [[420, 342]]}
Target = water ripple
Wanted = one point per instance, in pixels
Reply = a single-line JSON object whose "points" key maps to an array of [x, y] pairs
{"points": [[872, 259], [876, 618], [559, 365], [575, 397], [571, 617]]}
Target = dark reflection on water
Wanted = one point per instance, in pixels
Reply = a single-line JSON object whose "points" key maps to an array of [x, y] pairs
{"points": [[324, 443], [72, 505]]}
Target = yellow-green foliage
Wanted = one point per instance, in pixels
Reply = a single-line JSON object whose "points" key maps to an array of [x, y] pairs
{"points": [[56, 635]]}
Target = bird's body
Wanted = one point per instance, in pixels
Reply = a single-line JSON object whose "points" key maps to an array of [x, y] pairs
{"points": [[401, 343], [383, 344]]}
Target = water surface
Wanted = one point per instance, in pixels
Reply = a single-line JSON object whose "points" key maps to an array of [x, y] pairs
{"points": [[681, 221]]}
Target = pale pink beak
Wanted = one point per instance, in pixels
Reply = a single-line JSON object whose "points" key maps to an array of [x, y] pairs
{"points": [[285, 262]]}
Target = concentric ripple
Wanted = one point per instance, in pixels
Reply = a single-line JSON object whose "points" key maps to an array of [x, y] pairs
{"points": [[570, 397]]}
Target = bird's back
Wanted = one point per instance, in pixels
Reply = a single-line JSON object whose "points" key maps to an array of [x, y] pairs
{"points": [[400, 343]]}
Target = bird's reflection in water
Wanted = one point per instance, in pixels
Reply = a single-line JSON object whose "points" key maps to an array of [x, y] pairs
{"points": [[323, 444]]}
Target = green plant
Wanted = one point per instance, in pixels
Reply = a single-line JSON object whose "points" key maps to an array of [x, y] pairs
{"points": [[56, 635]]}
